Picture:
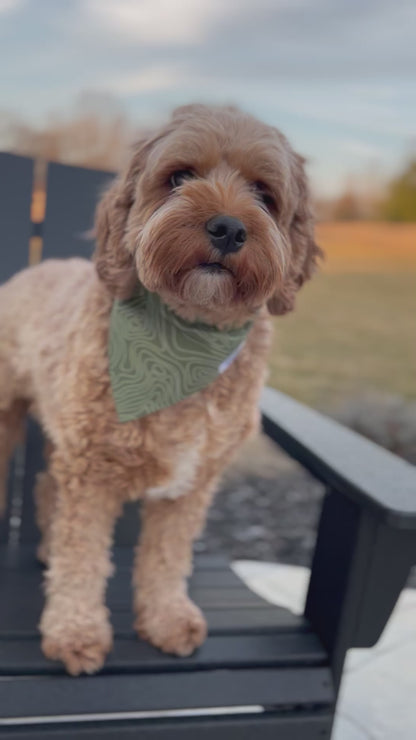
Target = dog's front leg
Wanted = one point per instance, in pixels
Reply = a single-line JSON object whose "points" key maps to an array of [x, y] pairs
{"points": [[74, 625], [165, 614]]}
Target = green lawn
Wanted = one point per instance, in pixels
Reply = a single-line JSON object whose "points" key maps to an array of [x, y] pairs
{"points": [[351, 332]]}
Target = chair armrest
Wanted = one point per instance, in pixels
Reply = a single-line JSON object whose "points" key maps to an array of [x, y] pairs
{"points": [[366, 541], [344, 460]]}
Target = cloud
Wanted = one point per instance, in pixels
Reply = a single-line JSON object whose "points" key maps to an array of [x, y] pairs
{"points": [[158, 21], [150, 79], [356, 110], [323, 71], [361, 149], [9, 5], [350, 106]]}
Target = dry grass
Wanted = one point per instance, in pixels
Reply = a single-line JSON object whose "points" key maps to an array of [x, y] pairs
{"points": [[367, 246], [354, 329]]}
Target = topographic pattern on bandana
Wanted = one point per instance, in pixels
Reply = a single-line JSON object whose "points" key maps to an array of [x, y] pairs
{"points": [[157, 359]]}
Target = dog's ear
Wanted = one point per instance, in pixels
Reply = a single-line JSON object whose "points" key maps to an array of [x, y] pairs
{"points": [[305, 253], [114, 262]]}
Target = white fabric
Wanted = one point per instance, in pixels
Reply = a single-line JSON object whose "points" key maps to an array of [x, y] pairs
{"points": [[378, 692]]}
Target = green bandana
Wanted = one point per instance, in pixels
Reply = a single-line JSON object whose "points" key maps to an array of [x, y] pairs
{"points": [[157, 359]]}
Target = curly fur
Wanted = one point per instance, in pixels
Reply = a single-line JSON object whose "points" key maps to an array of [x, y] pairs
{"points": [[53, 361]]}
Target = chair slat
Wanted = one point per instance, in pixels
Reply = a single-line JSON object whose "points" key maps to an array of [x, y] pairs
{"points": [[52, 696], [72, 194], [24, 656], [313, 724], [228, 611], [16, 177]]}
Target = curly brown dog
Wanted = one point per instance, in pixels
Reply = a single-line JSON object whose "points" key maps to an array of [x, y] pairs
{"points": [[151, 228]]}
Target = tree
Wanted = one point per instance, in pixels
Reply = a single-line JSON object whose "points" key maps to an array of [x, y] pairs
{"points": [[96, 135], [400, 201], [347, 207]]}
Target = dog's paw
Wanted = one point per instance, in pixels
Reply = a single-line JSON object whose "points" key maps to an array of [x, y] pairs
{"points": [[176, 626], [81, 643]]}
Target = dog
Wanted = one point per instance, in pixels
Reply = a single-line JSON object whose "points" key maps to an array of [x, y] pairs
{"points": [[213, 217]]}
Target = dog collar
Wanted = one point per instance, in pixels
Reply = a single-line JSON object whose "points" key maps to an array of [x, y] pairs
{"points": [[157, 359]]}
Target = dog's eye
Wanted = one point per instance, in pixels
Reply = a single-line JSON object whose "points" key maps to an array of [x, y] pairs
{"points": [[264, 195], [180, 176]]}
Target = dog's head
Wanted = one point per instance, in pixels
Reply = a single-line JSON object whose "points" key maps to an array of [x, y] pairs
{"points": [[212, 214]]}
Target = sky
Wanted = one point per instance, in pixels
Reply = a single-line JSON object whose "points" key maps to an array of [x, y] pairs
{"points": [[338, 77]]}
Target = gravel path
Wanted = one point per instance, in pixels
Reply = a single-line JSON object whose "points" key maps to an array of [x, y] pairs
{"points": [[266, 509], [265, 519]]}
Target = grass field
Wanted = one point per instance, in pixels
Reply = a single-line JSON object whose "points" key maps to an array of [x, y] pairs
{"points": [[354, 329]]}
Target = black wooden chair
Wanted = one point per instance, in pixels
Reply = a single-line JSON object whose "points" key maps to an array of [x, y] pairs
{"points": [[263, 672]]}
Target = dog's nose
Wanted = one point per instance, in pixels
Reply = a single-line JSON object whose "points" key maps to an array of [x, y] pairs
{"points": [[227, 234]]}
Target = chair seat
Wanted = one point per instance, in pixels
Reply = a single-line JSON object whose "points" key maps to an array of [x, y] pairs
{"points": [[255, 654], [243, 628]]}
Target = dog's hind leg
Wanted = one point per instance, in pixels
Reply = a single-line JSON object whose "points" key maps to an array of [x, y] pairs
{"points": [[11, 431]]}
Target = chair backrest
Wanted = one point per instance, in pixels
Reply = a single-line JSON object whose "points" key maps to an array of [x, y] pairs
{"points": [[16, 178], [71, 197]]}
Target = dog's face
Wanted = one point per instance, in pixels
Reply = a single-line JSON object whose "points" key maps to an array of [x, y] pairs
{"points": [[213, 215]]}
